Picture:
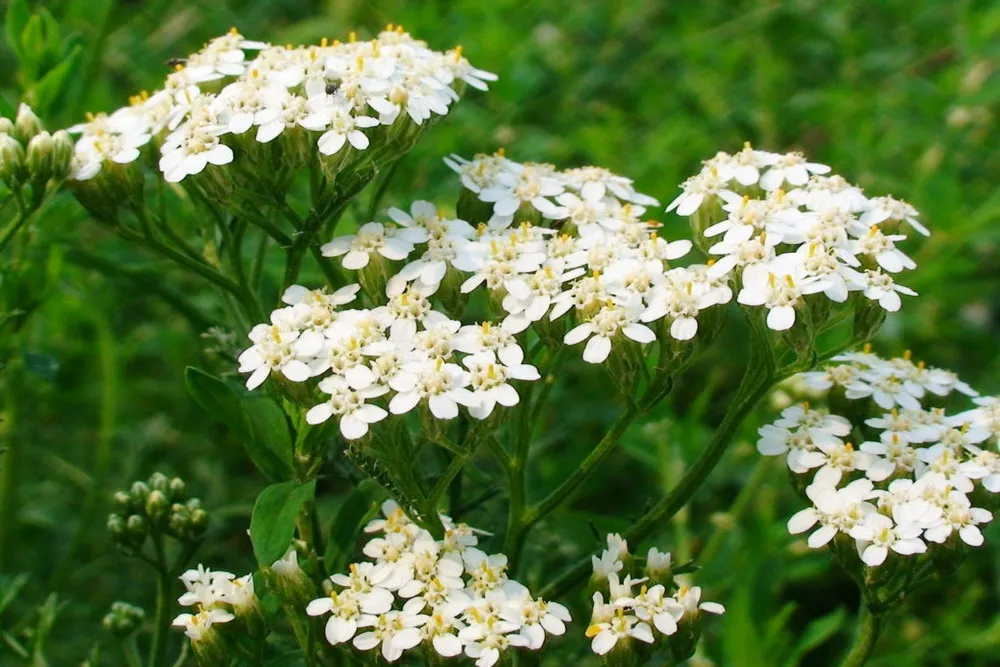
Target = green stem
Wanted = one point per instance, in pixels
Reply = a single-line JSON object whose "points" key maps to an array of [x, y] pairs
{"points": [[10, 454], [521, 520], [161, 623], [8, 233], [757, 381], [866, 636], [131, 651]]}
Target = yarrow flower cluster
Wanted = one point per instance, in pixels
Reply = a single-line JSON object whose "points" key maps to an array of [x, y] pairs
{"points": [[405, 349], [790, 229], [444, 594], [909, 486], [236, 92], [658, 605]]}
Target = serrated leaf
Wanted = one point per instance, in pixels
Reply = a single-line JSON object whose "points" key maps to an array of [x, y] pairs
{"points": [[17, 16], [257, 421], [356, 509], [272, 524]]}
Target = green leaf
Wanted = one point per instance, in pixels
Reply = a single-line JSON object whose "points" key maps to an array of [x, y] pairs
{"points": [[257, 421], [356, 509], [33, 47], [47, 91], [274, 514], [18, 15]]}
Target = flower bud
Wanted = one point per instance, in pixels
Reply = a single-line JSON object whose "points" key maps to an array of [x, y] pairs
{"points": [[7, 126], [157, 505], [159, 482], [199, 522], [136, 526], [290, 581], [124, 619], [123, 501], [139, 493], [39, 157], [11, 160], [62, 154], [27, 124], [116, 526], [177, 489]]}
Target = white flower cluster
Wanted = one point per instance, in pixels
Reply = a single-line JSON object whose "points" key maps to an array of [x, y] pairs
{"points": [[791, 229], [629, 615], [331, 93], [217, 596], [445, 594], [588, 254], [404, 348], [908, 485]]}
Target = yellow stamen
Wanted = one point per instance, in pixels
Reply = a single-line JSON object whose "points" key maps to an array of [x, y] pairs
{"points": [[352, 37]]}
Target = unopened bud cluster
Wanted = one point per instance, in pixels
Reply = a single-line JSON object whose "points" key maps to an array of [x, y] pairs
{"points": [[29, 155], [124, 619], [158, 506]]}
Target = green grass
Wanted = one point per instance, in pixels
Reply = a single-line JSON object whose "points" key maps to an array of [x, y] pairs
{"points": [[899, 96]]}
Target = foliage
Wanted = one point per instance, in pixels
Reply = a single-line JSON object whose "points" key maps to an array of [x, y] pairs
{"points": [[901, 95]]}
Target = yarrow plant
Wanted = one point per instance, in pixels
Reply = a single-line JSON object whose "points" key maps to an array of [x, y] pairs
{"points": [[411, 351]]}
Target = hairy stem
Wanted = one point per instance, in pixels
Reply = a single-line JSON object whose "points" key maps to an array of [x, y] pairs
{"points": [[521, 520], [757, 381], [866, 636]]}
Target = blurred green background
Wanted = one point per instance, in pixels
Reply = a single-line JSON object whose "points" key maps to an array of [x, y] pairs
{"points": [[900, 96]]}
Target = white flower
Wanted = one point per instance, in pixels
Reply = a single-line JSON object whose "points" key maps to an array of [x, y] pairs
{"points": [[345, 608], [881, 287], [656, 607], [604, 326], [396, 631], [690, 599], [881, 209], [332, 113], [877, 534], [489, 382], [443, 385], [791, 168], [373, 237], [697, 190], [349, 405], [196, 626], [835, 509], [959, 516], [779, 286], [606, 634]]}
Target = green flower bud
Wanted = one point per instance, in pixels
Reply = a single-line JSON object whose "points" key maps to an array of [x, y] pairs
{"points": [[123, 501], [139, 493], [7, 126], [159, 482], [124, 619], [177, 489], [136, 526], [39, 157], [199, 522], [62, 154], [116, 525], [12, 167], [157, 505], [27, 124]]}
